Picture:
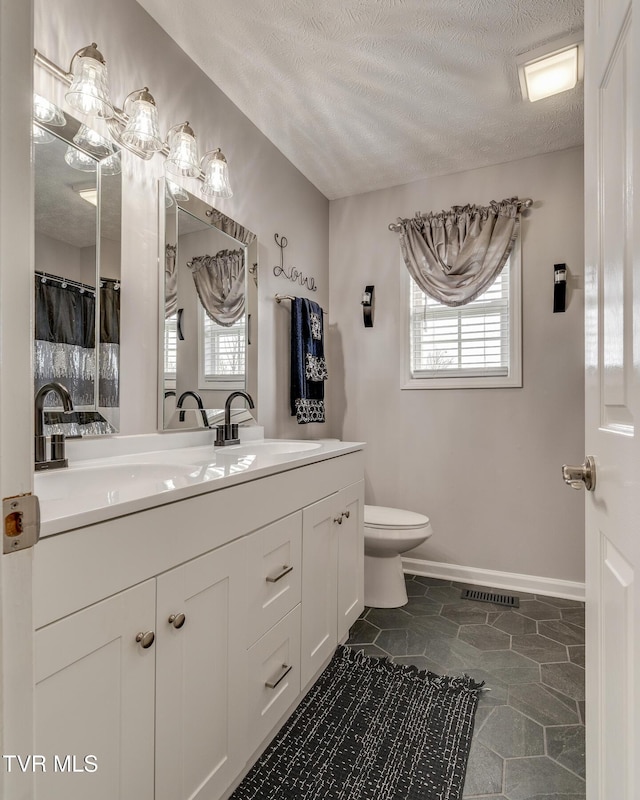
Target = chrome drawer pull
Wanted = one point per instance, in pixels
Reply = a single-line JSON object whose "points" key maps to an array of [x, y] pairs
{"points": [[276, 576], [279, 676]]}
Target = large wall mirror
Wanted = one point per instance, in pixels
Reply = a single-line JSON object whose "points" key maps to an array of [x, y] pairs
{"points": [[78, 204], [208, 337]]}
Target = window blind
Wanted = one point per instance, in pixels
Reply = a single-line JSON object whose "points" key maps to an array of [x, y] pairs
{"points": [[470, 340], [224, 349], [170, 346]]}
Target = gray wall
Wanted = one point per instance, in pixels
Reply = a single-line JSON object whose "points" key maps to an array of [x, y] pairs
{"points": [[270, 195], [483, 464]]}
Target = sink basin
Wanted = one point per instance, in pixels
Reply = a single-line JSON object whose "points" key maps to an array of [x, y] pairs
{"points": [[266, 447], [109, 479]]}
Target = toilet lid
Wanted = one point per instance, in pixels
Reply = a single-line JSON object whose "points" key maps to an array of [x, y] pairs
{"points": [[384, 517]]}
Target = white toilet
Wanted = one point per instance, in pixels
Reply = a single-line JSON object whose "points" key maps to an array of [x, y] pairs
{"points": [[387, 533]]}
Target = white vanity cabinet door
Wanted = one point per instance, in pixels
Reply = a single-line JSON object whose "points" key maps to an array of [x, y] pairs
{"points": [[319, 586], [332, 574], [274, 574], [201, 676], [94, 696], [350, 503], [273, 677]]}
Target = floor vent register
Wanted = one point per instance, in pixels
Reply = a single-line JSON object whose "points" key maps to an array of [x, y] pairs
{"points": [[491, 597]]}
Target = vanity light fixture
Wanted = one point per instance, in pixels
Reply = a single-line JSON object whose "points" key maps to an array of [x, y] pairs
{"points": [[90, 140], [136, 127], [182, 159], [142, 131], [40, 135], [216, 175], [89, 91], [552, 69]]}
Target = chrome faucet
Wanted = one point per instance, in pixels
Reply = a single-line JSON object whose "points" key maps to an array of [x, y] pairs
{"points": [[198, 400], [58, 458], [228, 433]]}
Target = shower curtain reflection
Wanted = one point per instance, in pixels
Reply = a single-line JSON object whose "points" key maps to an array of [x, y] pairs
{"points": [[65, 351]]}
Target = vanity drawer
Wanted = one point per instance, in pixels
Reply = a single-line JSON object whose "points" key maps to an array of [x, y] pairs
{"points": [[274, 571], [273, 677]]}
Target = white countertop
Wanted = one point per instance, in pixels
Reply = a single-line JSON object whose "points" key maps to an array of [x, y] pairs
{"points": [[92, 490]]}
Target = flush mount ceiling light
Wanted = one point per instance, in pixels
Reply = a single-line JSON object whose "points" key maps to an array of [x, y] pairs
{"points": [[554, 68]]}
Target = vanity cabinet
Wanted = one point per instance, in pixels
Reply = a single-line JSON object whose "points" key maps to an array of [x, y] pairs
{"points": [[246, 605], [200, 675], [333, 574], [94, 696]]}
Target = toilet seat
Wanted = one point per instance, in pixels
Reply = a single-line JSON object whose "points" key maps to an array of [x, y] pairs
{"points": [[393, 518]]}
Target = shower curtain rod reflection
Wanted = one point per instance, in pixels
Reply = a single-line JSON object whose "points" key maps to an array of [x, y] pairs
{"points": [[84, 287], [280, 297]]}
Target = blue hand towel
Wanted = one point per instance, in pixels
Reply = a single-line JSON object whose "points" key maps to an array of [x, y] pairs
{"points": [[308, 366]]}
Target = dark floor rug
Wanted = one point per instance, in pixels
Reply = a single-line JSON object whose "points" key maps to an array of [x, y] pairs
{"points": [[370, 729]]}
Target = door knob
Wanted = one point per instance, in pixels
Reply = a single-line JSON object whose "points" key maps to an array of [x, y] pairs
{"points": [[584, 475]]}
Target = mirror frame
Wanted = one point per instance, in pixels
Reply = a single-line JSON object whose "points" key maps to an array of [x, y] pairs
{"points": [[217, 220], [66, 133]]}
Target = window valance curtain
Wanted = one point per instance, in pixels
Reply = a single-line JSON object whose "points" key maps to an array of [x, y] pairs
{"points": [[170, 282], [454, 256], [219, 282]]}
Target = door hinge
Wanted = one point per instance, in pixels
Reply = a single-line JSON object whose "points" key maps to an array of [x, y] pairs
{"points": [[21, 522]]}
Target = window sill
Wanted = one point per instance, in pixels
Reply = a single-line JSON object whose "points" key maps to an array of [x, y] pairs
{"points": [[480, 382]]}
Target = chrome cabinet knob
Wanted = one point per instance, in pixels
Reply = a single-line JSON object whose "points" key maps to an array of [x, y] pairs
{"points": [[145, 639], [338, 519], [584, 475], [346, 514], [177, 620]]}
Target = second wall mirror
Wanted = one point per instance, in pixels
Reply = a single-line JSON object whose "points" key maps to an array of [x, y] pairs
{"points": [[208, 314]]}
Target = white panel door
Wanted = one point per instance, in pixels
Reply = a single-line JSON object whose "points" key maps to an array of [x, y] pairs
{"points": [[95, 697], [319, 586], [350, 503], [612, 329], [201, 676]]}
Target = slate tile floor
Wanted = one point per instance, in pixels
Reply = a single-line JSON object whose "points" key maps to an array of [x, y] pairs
{"points": [[528, 741]]}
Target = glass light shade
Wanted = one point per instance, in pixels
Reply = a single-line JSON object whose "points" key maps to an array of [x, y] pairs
{"points": [[142, 130], [177, 191], [78, 160], [47, 112], [111, 165], [551, 75], [88, 139], [183, 152], [41, 136], [216, 176], [89, 91]]}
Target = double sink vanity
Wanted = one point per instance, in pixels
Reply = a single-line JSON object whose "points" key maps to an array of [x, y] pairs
{"points": [[186, 597]]}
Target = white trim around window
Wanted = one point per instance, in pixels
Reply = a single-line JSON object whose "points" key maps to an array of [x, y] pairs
{"points": [[507, 375]]}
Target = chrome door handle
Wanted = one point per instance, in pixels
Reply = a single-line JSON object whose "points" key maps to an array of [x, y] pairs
{"points": [[275, 577], [145, 640], [584, 475], [177, 620], [280, 675]]}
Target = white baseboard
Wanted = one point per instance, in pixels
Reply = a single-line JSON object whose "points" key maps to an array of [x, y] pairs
{"points": [[532, 584]]}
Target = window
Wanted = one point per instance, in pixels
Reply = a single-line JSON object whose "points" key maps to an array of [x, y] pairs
{"points": [[222, 353], [170, 350], [477, 345]]}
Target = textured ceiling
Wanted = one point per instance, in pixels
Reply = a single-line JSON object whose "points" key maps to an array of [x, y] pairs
{"points": [[365, 94]]}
